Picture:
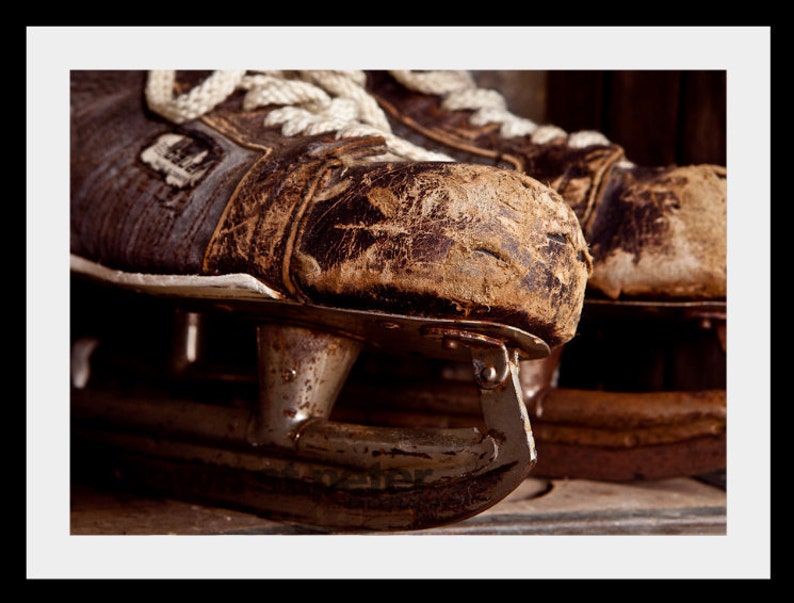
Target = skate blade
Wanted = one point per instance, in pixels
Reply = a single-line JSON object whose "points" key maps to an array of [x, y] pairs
{"points": [[281, 455]]}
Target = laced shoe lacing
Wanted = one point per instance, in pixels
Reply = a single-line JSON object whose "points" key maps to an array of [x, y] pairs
{"points": [[310, 102], [460, 92], [322, 101]]}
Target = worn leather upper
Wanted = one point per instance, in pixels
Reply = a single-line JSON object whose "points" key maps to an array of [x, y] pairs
{"points": [[318, 219], [661, 233], [654, 233]]}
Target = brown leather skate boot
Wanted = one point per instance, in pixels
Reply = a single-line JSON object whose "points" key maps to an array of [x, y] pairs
{"points": [[283, 199], [655, 233], [658, 240]]}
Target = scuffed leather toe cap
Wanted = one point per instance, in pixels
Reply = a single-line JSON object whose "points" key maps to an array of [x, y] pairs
{"points": [[661, 233], [446, 240]]}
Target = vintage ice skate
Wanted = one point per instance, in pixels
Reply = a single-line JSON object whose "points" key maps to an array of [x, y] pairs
{"points": [[279, 205], [658, 240]]}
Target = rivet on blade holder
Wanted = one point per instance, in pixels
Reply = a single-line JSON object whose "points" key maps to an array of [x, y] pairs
{"points": [[489, 355]]}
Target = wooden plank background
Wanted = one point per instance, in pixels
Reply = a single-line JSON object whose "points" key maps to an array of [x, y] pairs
{"points": [[658, 117]]}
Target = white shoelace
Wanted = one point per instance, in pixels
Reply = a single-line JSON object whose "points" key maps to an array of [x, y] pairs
{"points": [[460, 92], [310, 102], [317, 102]]}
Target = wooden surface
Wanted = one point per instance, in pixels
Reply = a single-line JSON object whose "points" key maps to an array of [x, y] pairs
{"points": [[550, 507]]}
